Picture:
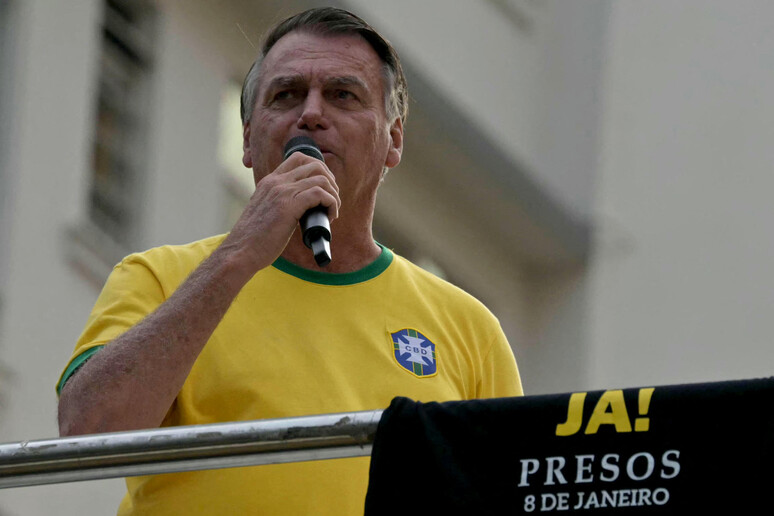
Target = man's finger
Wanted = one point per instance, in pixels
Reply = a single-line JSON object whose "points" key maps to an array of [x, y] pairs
{"points": [[317, 185], [302, 165]]}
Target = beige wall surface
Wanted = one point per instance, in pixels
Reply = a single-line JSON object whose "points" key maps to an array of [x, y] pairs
{"points": [[526, 72], [45, 300], [682, 289]]}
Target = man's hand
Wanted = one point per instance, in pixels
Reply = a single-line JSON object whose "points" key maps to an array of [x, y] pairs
{"points": [[280, 200]]}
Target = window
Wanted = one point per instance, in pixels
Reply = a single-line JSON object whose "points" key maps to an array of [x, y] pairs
{"points": [[111, 227], [121, 123]]}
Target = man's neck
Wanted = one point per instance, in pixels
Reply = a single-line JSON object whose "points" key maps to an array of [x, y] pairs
{"points": [[348, 253]]}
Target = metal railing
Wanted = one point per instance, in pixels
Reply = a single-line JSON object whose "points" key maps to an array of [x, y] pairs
{"points": [[187, 448]]}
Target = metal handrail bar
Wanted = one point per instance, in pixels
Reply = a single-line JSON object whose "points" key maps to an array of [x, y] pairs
{"points": [[187, 448]]}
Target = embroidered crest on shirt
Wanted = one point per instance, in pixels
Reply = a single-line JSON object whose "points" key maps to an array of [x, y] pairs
{"points": [[414, 352]]}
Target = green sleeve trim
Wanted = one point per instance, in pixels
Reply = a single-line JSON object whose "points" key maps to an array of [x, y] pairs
{"points": [[74, 365], [368, 272]]}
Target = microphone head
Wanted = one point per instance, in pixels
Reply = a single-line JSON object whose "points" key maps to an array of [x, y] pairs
{"points": [[304, 145]]}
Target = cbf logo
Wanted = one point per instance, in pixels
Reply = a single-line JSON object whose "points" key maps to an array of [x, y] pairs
{"points": [[414, 352]]}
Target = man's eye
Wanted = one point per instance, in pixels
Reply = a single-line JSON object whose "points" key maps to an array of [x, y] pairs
{"points": [[344, 95], [287, 96]]}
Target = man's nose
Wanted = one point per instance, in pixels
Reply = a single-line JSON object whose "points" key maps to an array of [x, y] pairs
{"points": [[313, 112]]}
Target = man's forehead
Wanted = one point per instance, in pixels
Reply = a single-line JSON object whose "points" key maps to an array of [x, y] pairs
{"points": [[298, 80], [332, 55]]}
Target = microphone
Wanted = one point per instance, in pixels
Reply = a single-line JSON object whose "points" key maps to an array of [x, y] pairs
{"points": [[315, 226]]}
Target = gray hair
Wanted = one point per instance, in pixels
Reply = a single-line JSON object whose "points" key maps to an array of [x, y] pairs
{"points": [[333, 21]]}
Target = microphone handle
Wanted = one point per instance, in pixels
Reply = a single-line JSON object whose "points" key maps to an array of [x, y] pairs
{"points": [[315, 226], [316, 231]]}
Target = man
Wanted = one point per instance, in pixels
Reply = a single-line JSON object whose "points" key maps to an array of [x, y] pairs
{"points": [[247, 326]]}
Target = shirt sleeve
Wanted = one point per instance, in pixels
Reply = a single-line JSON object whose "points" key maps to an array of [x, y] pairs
{"points": [[499, 372], [131, 292]]}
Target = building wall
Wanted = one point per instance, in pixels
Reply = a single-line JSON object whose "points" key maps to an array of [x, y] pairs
{"points": [[526, 72], [681, 283], [7, 36], [50, 113]]}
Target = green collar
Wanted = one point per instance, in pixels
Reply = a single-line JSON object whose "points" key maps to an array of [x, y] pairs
{"points": [[368, 272]]}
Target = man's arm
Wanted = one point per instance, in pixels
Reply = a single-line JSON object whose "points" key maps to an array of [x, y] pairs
{"points": [[132, 382]]}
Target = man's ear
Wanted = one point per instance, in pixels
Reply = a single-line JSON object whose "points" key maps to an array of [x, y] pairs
{"points": [[395, 150], [247, 155]]}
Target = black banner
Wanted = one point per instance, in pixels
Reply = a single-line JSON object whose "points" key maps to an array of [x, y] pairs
{"points": [[683, 449]]}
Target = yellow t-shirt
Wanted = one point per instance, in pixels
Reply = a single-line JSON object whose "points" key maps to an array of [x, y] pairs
{"points": [[298, 342]]}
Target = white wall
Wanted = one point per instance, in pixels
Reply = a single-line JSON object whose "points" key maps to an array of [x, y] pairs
{"points": [[531, 88], [682, 284], [47, 163], [184, 187], [7, 34]]}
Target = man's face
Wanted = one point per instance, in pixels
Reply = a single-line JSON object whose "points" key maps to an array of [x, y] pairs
{"points": [[330, 88]]}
